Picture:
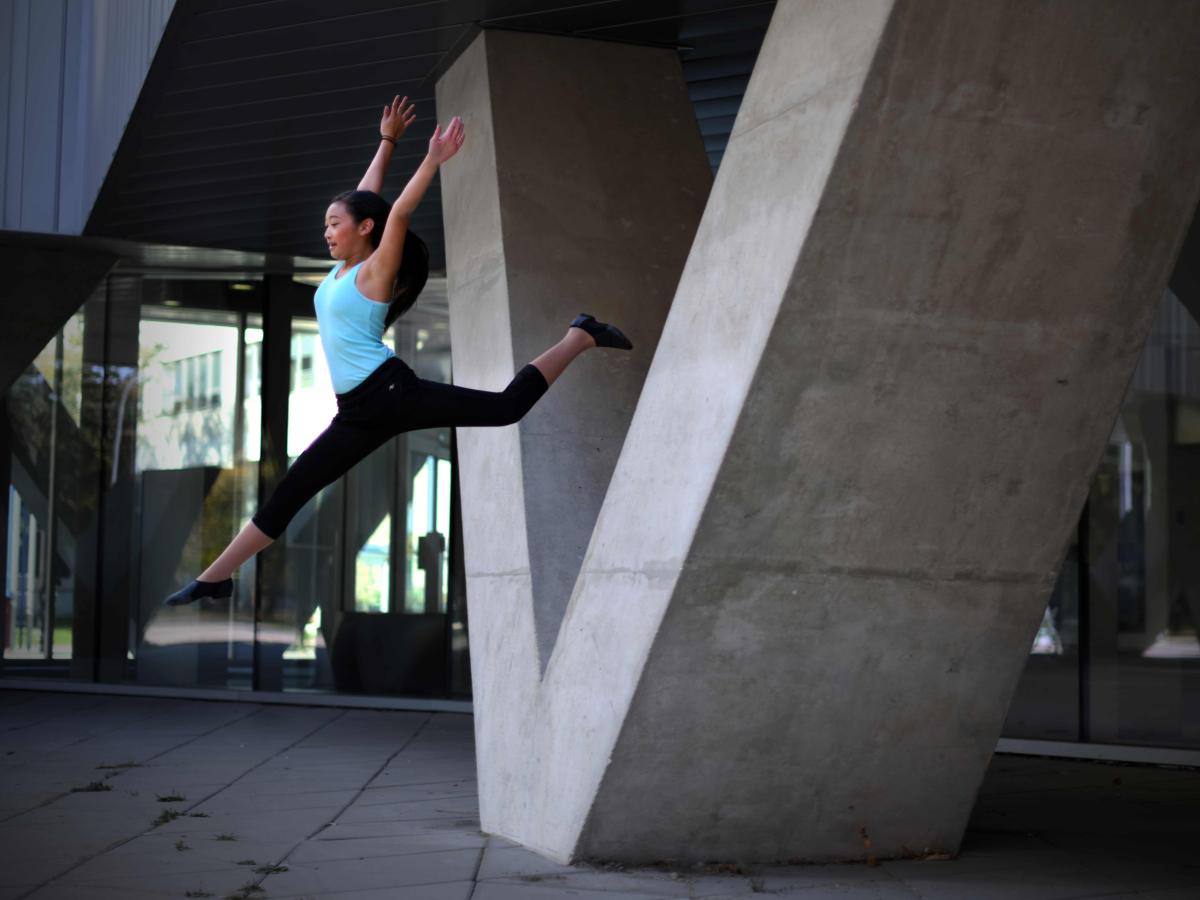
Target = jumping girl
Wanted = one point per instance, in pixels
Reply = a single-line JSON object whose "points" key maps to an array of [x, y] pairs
{"points": [[381, 269]]}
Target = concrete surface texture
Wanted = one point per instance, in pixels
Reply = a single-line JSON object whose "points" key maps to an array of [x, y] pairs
{"points": [[139, 798], [579, 189], [919, 287]]}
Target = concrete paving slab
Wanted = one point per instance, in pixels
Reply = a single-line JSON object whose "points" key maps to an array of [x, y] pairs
{"points": [[1136, 839], [257, 850], [234, 800], [167, 884], [502, 891], [440, 808], [502, 861], [374, 873], [406, 773], [295, 824], [409, 792], [132, 869], [393, 828], [62, 891], [1038, 877], [784, 879], [362, 848], [29, 868], [457, 890]]}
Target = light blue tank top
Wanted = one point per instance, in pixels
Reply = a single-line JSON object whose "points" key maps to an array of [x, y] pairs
{"points": [[351, 328]]}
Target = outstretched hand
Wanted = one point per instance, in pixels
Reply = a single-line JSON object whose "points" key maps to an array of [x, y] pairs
{"points": [[396, 118], [444, 144]]}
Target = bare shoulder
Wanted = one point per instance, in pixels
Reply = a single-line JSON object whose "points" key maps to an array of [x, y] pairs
{"points": [[374, 281]]}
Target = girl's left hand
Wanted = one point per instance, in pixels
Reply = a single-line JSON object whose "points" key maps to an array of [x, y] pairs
{"points": [[444, 144], [396, 118]]}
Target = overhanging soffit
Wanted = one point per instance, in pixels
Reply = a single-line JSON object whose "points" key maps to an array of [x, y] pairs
{"points": [[254, 114]]}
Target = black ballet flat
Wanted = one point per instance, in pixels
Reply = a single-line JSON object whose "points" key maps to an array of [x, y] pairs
{"points": [[197, 589], [604, 334]]}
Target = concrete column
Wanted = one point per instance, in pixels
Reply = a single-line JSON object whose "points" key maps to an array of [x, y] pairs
{"points": [[579, 189], [919, 288]]}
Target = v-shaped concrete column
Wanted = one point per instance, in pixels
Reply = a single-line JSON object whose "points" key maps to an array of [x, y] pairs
{"points": [[917, 292]]}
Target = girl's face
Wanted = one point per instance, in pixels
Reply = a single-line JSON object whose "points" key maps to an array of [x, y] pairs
{"points": [[345, 237]]}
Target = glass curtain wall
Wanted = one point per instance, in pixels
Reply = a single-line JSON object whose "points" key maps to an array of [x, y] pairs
{"points": [[368, 604], [194, 473], [1117, 659], [49, 504], [134, 442]]}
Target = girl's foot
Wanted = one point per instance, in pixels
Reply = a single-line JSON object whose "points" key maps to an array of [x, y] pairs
{"points": [[603, 334], [197, 589]]}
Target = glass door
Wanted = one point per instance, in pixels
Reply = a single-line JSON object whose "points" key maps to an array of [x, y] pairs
{"points": [[194, 477]]}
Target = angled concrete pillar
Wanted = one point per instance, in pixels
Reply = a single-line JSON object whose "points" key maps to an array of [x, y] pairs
{"points": [[918, 290], [579, 189]]}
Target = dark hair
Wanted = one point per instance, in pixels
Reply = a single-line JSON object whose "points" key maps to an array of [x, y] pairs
{"points": [[414, 259]]}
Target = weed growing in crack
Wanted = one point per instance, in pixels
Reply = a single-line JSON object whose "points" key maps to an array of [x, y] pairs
{"points": [[167, 815], [120, 765], [91, 786], [180, 845], [246, 862], [225, 836], [170, 798], [198, 815], [245, 892], [197, 894], [270, 870]]}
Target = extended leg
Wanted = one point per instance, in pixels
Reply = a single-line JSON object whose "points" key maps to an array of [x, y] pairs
{"points": [[435, 405], [249, 541], [334, 452]]}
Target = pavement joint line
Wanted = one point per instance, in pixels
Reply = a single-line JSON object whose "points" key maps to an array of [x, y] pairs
{"points": [[65, 712], [254, 711], [384, 787], [478, 865], [404, 746], [118, 773], [139, 720]]}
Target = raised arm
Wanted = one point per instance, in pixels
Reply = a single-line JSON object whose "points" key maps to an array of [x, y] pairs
{"points": [[396, 118], [385, 261]]}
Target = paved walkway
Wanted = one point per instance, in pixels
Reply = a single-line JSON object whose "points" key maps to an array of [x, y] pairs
{"points": [[117, 797]]}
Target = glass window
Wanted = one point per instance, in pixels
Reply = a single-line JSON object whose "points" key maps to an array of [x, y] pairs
{"points": [[134, 457], [191, 488], [1117, 658], [50, 503], [1144, 531]]}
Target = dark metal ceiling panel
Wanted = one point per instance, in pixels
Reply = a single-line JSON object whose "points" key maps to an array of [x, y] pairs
{"points": [[256, 112]]}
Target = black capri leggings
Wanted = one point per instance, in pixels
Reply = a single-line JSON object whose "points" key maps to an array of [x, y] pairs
{"points": [[390, 401]]}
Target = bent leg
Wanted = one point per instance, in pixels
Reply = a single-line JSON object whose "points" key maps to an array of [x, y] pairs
{"points": [[431, 404], [552, 362]]}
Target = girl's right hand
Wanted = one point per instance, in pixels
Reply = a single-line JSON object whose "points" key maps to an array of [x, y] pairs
{"points": [[444, 144]]}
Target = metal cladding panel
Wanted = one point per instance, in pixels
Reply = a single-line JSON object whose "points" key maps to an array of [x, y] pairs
{"points": [[74, 70], [256, 113]]}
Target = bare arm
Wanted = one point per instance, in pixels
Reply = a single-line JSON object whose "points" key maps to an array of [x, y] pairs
{"points": [[384, 263], [396, 118]]}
